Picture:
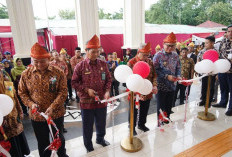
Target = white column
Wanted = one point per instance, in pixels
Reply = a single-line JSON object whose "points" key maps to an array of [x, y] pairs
{"points": [[134, 21], [22, 26], [87, 21]]}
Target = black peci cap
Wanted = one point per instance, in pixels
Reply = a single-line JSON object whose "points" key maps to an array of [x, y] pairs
{"points": [[210, 38], [77, 48]]}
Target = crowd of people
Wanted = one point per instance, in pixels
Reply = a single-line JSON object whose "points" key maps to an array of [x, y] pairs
{"points": [[47, 84]]}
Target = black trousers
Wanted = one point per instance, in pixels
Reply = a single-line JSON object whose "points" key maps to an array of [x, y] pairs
{"points": [[89, 116], [204, 89], [182, 89], [114, 88], [144, 107], [164, 101], [225, 81], [42, 135], [216, 88], [69, 88], [19, 146]]}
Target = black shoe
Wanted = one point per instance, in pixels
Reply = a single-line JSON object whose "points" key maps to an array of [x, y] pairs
{"points": [[229, 112], [65, 130], [219, 105], [166, 122], [134, 133], [104, 143], [89, 150], [143, 128], [202, 103]]}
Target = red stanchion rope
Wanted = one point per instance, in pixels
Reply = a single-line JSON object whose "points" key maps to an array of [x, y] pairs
{"points": [[56, 142]]}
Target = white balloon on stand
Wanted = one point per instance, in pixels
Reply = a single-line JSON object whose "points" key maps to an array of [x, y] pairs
{"points": [[147, 87], [6, 104], [122, 72], [222, 65], [197, 68], [204, 67], [215, 69], [135, 82]]}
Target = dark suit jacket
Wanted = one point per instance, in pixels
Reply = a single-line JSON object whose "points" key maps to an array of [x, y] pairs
{"points": [[194, 57]]}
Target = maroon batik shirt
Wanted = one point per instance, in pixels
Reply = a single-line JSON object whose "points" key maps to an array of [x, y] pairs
{"points": [[91, 75]]}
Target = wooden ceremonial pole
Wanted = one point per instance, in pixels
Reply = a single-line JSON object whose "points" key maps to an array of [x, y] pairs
{"points": [[131, 117], [205, 115], [131, 144]]}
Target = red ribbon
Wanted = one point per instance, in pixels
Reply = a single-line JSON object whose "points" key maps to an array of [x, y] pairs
{"points": [[55, 145], [49, 121], [161, 118], [34, 111], [176, 79], [6, 145], [129, 95], [137, 93], [97, 98], [185, 83]]}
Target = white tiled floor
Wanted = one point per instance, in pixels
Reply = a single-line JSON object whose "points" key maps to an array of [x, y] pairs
{"points": [[176, 138]]}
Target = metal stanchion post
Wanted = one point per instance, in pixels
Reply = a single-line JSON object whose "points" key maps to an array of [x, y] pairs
{"points": [[205, 115], [131, 144]]}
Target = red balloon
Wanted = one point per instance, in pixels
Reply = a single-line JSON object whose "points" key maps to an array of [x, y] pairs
{"points": [[141, 68], [211, 55]]}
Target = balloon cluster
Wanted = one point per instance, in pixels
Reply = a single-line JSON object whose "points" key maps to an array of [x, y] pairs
{"points": [[135, 80], [6, 106], [211, 64]]}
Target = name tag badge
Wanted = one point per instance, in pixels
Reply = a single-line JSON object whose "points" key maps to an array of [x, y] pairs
{"points": [[103, 74]]}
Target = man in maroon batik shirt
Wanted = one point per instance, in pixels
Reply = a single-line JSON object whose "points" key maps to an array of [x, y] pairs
{"points": [[92, 78]]}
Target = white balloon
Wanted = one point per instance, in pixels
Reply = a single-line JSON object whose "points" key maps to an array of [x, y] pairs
{"points": [[215, 69], [222, 65], [122, 72], [134, 82], [6, 104], [147, 87], [205, 66], [1, 118], [197, 68]]}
